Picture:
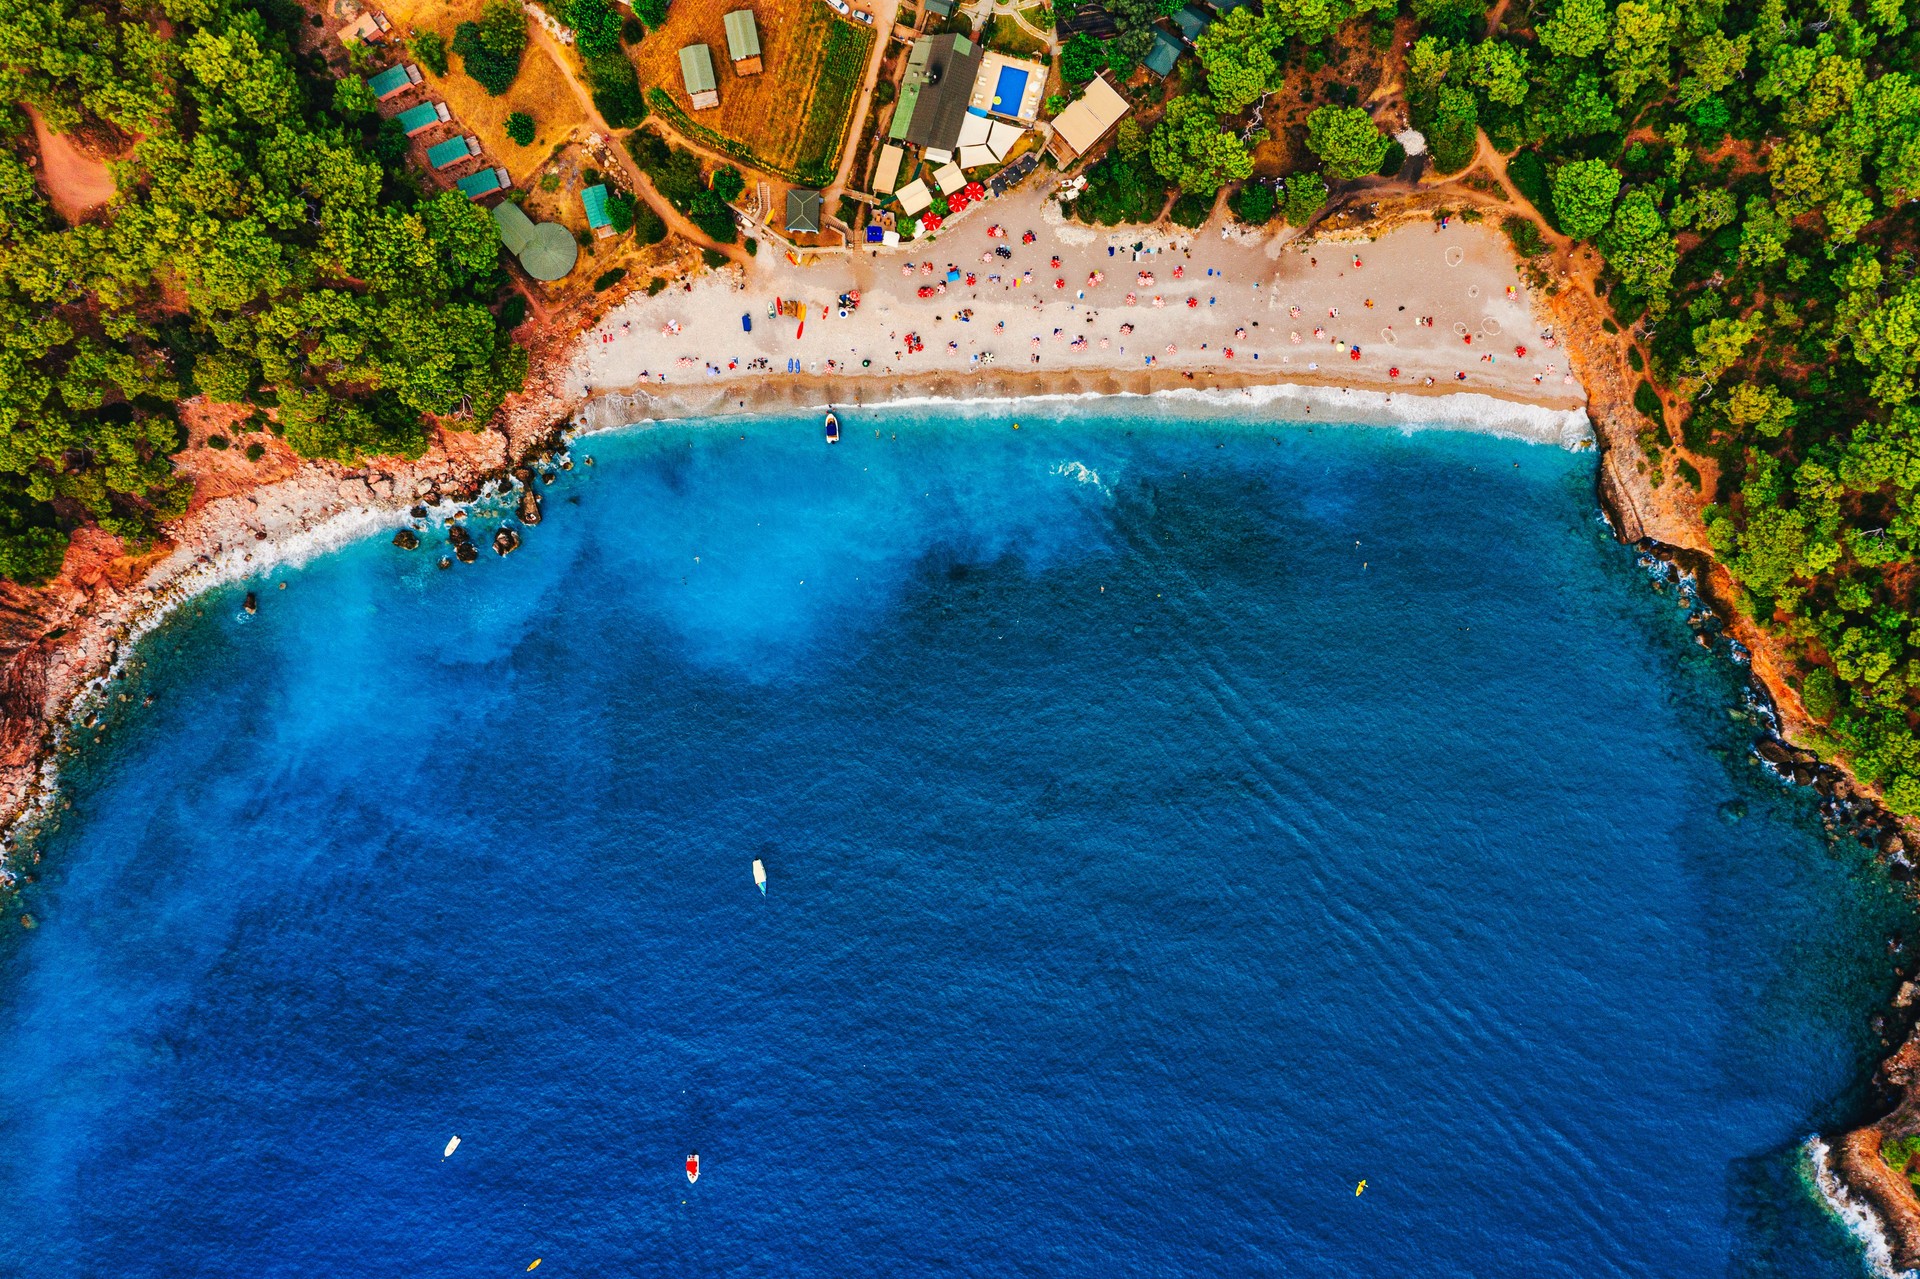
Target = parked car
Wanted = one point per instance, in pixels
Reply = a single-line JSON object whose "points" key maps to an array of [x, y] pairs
{"points": [[841, 6], [863, 16]]}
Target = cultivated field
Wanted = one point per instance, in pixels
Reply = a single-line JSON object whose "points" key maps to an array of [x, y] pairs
{"points": [[792, 117]]}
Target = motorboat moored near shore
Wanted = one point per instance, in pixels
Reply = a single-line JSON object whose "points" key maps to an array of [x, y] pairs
{"points": [[833, 427]]}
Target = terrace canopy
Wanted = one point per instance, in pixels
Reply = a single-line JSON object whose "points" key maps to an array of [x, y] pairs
{"points": [[949, 178], [887, 172], [696, 69], [1085, 122], [393, 80], [743, 42], [914, 198], [421, 118], [803, 211], [977, 157], [485, 182], [451, 152], [594, 200]]}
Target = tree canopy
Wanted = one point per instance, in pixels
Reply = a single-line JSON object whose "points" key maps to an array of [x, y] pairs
{"points": [[258, 253], [1346, 140]]}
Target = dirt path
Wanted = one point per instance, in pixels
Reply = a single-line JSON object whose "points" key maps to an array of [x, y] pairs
{"points": [[676, 221], [75, 181], [884, 14]]}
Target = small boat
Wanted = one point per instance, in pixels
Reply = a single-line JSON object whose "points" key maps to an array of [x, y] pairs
{"points": [[693, 1167], [833, 428], [760, 876], [451, 1147]]}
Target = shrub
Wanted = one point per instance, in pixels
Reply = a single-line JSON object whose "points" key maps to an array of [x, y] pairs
{"points": [[616, 90], [256, 451], [218, 442], [1254, 203], [752, 246], [390, 143], [596, 27], [1634, 361], [655, 286], [1647, 400], [1192, 209], [727, 183], [711, 214], [494, 71], [647, 225], [651, 12], [1820, 694], [714, 258], [1305, 193], [520, 128], [633, 31], [620, 206], [1394, 160], [430, 49], [607, 279], [513, 313], [1524, 235]]}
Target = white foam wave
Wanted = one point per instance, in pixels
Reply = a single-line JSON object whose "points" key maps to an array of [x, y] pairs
{"points": [[1273, 402], [1860, 1220], [1079, 472]]}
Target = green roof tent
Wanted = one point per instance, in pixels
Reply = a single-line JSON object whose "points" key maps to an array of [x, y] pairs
{"points": [[743, 35], [453, 151], [803, 211], [546, 250], [1165, 52], [399, 76], [516, 228], [421, 118], [594, 199], [696, 68], [485, 182], [1192, 20]]}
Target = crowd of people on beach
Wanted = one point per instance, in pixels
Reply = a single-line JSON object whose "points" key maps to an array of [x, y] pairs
{"points": [[1078, 310]]}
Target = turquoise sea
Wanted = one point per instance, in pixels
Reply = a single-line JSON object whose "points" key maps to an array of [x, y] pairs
{"points": [[1169, 825]]}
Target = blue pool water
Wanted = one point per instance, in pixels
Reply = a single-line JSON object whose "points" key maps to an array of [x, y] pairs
{"points": [[1009, 90], [1168, 825]]}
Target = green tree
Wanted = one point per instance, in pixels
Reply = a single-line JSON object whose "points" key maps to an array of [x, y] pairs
{"points": [[596, 27], [1191, 150], [520, 128], [430, 49], [1499, 70], [1306, 194], [352, 99], [1346, 140], [1237, 52], [1082, 58], [1639, 43], [1577, 29], [1583, 196], [1640, 249]]}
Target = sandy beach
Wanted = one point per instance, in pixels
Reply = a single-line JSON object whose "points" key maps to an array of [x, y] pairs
{"points": [[1424, 308]]}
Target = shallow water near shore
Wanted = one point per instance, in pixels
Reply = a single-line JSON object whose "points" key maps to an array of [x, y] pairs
{"points": [[1168, 825]]}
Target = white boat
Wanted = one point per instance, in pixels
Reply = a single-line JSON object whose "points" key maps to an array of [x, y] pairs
{"points": [[760, 876], [833, 428], [451, 1147]]}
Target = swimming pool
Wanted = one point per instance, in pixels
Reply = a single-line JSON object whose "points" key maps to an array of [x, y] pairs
{"points": [[1009, 90]]}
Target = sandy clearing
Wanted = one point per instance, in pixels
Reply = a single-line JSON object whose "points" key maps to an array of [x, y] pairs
{"points": [[75, 181]]}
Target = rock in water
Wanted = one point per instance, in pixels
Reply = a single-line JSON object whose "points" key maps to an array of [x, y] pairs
{"points": [[529, 507], [506, 541], [465, 553], [445, 562], [252, 603], [407, 540]]}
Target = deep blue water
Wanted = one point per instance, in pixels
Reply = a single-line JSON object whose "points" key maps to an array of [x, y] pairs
{"points": [[1151, 859]]}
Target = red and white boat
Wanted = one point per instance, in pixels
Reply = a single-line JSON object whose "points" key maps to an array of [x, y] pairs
{"points": [[693, 1167]]}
